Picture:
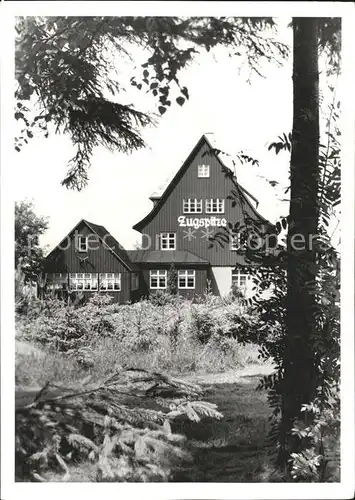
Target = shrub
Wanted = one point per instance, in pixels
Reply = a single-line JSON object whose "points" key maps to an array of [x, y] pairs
{"points": [[172, 284], [203, 323], [175, 334], [161, 298], [58, 326], [319, 460], [97, 315]]}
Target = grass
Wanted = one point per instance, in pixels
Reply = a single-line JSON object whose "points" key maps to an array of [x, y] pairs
{"points": [[34, 370], [174, 342], [234, 449], [35, 366]]}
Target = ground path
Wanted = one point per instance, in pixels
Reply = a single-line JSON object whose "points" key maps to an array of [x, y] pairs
{"points": [[234, 449]]}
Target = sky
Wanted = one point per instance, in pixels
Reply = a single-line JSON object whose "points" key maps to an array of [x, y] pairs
{"points": [[241, 115]]}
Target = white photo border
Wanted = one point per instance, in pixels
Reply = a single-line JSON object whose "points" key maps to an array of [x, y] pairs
{"points": [[164, 491]]}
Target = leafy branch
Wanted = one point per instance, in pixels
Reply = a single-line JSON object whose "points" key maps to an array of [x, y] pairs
{"points": [[94, 423]]}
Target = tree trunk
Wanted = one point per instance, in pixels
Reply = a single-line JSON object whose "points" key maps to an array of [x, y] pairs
{"points": [[299, 372]]}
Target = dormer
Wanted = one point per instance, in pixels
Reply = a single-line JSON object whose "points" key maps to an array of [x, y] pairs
{"points": [[155, 197]]}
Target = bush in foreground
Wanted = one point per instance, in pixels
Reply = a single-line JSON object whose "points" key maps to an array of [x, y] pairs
{"points": [[120, 425]]}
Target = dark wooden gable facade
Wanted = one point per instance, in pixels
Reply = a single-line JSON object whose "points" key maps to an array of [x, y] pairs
{"points": [[164, 217], [103, 255]]}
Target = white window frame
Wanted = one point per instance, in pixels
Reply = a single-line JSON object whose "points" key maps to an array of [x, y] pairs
{"points": [[158, 274], [55, 281], [236, 279], [83, 282], [134, 281], [82, 239], [186, 274], [107, 279], [166, 238], [215, 206], [192, 205], [234, 244], [203, 171]]}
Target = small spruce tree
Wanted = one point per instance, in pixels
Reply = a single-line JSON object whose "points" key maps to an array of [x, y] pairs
{"points": [[172, 286]]}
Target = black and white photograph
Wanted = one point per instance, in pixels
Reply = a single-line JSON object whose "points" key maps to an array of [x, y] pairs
{"points": [[177, 260]]}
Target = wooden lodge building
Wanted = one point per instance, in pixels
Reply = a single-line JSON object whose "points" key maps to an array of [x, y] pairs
{"points": [[177, 230]]}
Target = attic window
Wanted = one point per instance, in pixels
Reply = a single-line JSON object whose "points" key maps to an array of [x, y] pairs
{"points": [[83, 243], [203, 171]]}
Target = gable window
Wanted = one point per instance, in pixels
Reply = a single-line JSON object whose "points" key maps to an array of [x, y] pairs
{"points": [[110, 282], [239, 279], [167, 241], [203, 171], [83, 243], [158, 279], [192, 206], [83, 281], [134, 281], [214, 206], [186, 279], [57, 281]]}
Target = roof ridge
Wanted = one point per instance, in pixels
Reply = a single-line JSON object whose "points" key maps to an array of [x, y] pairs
{"points": [[163, 195]]}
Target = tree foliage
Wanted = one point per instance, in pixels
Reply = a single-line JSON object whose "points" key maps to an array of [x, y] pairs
{"points": [[69, 80], [172, 284], [299, 322], [93, 424], [28, 228]]}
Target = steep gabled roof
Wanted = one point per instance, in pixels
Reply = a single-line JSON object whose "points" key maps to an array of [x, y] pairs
{"points": [[107, 239], [114, 245], [141, 224], [165, 257]]}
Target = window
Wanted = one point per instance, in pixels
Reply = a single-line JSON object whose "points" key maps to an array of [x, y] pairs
{"points": [[83, 243], [83, 281], [186, 279], [192, 206], [239, 279], [214, 206], [57, 281], [203, 171], [134, 281], [168, 241], [234, 242], [110, 282], [158, 279]]}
